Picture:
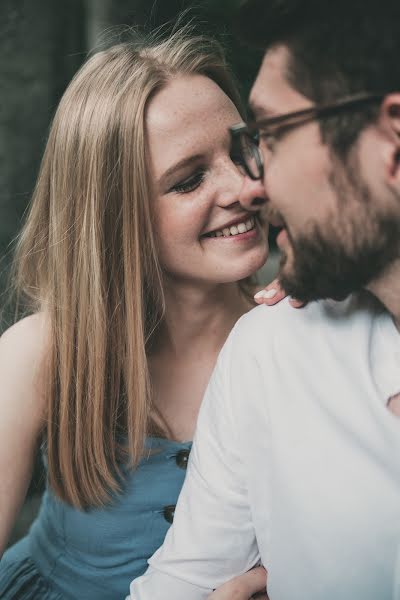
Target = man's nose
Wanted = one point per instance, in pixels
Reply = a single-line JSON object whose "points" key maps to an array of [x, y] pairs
{"points": [[252, 195]]}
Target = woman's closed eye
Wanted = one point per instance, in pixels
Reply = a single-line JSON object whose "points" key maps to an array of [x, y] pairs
{"points": [[189, 184]]}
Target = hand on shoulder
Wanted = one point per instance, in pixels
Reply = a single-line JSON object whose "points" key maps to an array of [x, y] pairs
{"points": [[274, 293]]}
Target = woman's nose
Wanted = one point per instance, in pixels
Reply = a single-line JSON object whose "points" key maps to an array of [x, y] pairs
{"points": [[252, 194], [230, 185]]}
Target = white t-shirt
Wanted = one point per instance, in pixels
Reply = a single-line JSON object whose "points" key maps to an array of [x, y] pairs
{"points": [[296, 461]]}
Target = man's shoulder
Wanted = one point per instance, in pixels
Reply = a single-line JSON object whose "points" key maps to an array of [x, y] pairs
{"points": [[282, 321], [264, 319]]}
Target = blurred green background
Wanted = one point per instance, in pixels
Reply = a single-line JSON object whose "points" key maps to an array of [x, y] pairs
{"points": [[43, 43]]}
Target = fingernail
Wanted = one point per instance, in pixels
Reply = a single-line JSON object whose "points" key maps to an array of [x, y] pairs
{"points": [[295, 303], [267, 294]]}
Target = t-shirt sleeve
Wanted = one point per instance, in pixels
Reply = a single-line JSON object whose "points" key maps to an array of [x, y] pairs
{"points": [[212, 538]]}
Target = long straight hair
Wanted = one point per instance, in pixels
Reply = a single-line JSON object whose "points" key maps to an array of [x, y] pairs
{"points": [[87, 258]]}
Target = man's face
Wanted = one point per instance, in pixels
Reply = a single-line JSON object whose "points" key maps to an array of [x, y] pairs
{"points": [[340, 228]]}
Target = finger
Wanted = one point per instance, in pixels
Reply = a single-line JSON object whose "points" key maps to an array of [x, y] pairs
{"points": [[297, 303], [271, 294], [242, 587]]}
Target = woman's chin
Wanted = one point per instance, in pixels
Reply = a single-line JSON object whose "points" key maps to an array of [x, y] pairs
{"points": [[260, 259], [251, 266]]}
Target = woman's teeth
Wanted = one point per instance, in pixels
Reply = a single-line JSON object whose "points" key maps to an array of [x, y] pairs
{"points": [[234, 229]]}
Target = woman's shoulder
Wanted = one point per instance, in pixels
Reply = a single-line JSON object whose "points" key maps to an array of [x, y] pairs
{"points": [[22, 351], [31, 331]]}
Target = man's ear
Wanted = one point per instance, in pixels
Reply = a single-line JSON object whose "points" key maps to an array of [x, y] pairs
{"points": [[389, 120]]}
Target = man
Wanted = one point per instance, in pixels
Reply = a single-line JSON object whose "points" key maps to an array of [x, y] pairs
{"points": [[296, 459]]}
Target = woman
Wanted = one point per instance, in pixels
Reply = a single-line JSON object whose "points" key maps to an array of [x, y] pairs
{"points": [[130, 259]]}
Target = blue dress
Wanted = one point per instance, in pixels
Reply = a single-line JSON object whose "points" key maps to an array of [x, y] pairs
{"points": [[94, 555]]}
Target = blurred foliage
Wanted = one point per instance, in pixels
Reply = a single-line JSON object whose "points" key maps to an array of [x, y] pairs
{"points": [[41, 47]]}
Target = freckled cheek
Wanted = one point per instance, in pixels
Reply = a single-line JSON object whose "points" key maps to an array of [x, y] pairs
{"points": [[177, 230]]}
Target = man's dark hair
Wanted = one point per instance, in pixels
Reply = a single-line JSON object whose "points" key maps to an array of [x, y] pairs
{"points": [[337, 48]]}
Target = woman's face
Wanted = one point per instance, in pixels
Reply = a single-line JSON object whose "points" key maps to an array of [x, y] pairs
{"points": [[203, 233]]}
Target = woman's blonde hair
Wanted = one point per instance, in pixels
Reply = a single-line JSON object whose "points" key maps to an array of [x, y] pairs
{"points": [[87, 258]]}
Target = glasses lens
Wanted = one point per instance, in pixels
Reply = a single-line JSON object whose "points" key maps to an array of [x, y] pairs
{"points": [[251, 155]]}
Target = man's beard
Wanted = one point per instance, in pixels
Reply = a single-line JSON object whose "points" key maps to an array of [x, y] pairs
{"points": [[343, 255]]}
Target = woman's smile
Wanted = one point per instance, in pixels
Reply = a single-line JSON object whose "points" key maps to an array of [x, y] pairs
{"points": [[239, 231], [235, 228]]}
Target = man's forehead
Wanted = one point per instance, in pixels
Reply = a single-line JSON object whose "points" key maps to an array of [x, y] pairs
{"points": [[270, 79], [271, 93]]}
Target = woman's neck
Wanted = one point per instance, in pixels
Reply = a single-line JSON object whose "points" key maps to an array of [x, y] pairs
{"points": [[199, 316]]}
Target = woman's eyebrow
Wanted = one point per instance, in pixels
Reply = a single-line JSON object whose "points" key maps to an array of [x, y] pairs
{"points": [[185, 162]]}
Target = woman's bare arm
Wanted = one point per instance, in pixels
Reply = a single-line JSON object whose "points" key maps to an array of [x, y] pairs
{"points": [[21, 414]]}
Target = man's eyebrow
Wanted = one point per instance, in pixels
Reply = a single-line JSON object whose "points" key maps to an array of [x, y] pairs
{"points": [[257, 112], [181, 164]]}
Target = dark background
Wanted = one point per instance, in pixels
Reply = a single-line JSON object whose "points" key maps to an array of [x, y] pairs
{"points": [[43, 43]]}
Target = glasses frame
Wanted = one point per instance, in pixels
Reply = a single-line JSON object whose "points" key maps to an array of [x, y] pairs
{"points": [[292, 119]]}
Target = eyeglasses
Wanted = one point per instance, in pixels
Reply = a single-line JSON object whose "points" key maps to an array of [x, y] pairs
{"points": [[245, 150]]}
